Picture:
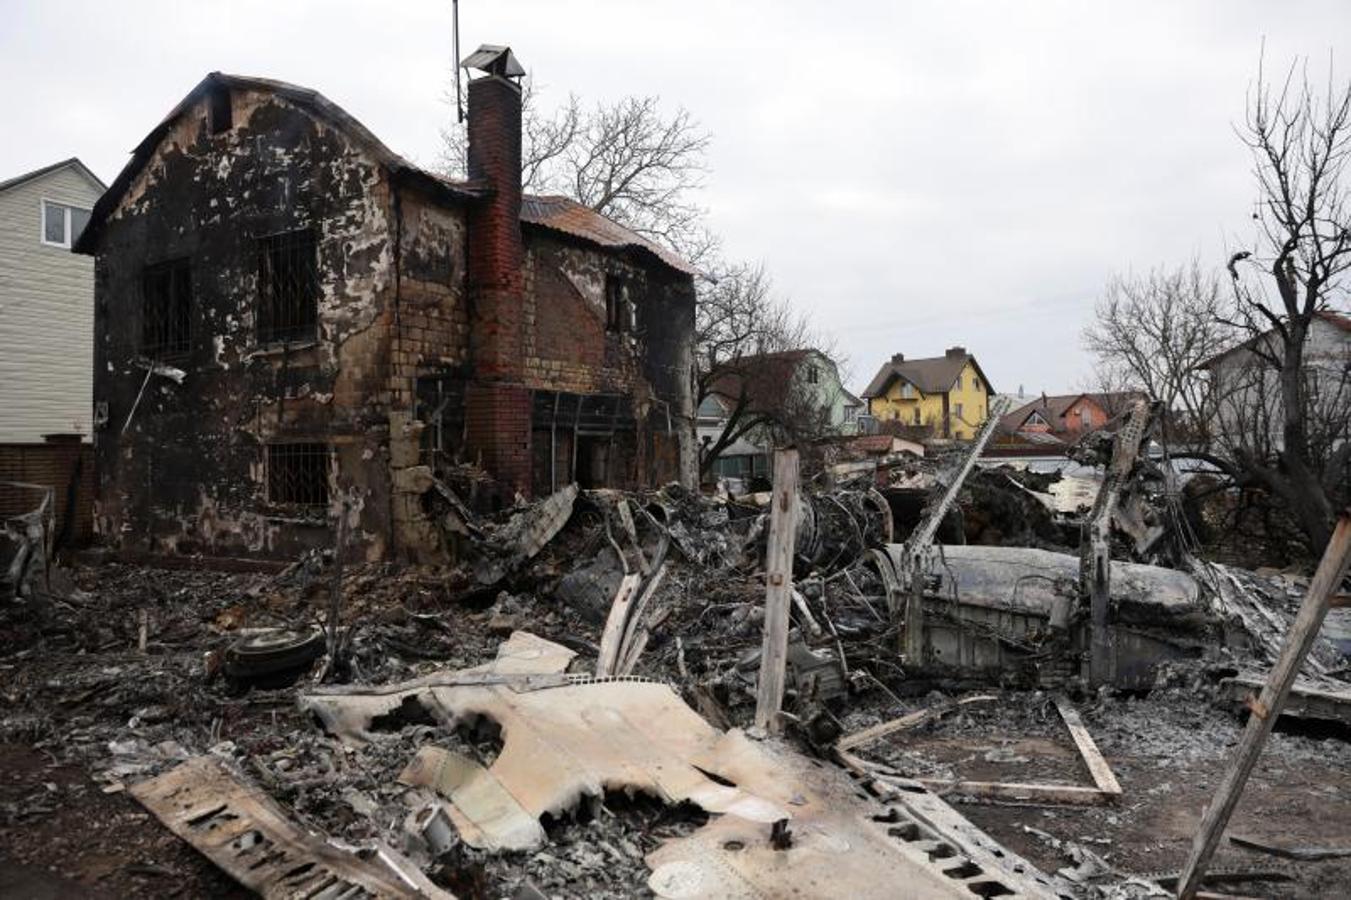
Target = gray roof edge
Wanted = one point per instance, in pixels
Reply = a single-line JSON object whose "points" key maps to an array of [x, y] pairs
{"points": [[73, 161]]}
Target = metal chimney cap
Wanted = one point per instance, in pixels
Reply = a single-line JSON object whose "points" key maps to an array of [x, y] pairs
{"points": [[494, 60]]}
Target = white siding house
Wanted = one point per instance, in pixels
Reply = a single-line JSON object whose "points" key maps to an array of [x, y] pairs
{"points": [[1249, 413], [46, 303]]}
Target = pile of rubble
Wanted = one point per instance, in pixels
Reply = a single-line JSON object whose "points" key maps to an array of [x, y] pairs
{"points": [[569, 711]]}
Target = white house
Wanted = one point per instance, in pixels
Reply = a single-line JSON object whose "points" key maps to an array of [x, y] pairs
{"points": [[46, 303], [1249, 387], [803, 383]]}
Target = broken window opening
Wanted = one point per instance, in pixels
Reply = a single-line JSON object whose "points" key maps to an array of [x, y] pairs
{"points": [[288, 287], [219, 114], [166, 305], [297, 474], [439, 400], [585, 438], [618, 310]]}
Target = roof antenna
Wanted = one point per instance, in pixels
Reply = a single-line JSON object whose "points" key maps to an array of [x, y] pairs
{"points": [[459, 107]]}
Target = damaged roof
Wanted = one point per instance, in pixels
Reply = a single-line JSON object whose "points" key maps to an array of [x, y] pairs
{"points": [[310, 100], [930, 376], [559, 214], [567, 216]]}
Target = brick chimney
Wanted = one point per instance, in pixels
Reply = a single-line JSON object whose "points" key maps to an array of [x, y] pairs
{"points": [[898, 357], [497, 404], [954, 352]]}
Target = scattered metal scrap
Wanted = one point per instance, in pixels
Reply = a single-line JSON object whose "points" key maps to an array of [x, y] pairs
{"points": [[29, 538], [524, 535], [242, 830], [918, 561]]}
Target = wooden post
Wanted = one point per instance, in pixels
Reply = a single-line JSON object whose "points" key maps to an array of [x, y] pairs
{"points": [[778, 590], [912, 639], [1267, 708], [1101, 653], [335, 595]]}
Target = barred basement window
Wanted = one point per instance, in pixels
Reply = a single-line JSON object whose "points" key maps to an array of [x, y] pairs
{"points": [[297, 474], [288, 287], [166, 309]]}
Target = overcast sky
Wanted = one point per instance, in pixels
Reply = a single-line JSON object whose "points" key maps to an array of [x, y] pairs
{"points": [[916, 175]]}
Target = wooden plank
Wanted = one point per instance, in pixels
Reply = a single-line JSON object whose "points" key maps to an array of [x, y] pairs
{"points": [[778, 590], [614, 624], [1029, 793], [1303, 854], [1088, 749], [1267, 708], [909, 720]]}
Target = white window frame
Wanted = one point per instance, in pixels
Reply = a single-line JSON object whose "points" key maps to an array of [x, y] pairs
{"points": [[42, 221]]}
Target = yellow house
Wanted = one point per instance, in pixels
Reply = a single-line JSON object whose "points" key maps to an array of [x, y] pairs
{"points": [[948, 393]]}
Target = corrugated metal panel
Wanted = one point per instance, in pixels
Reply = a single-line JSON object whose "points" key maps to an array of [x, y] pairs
{"points": [[570, 217]]}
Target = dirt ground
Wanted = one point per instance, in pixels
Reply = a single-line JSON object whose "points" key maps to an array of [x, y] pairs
{"points": [[62, 837], [74, 690], [1168, 752]]}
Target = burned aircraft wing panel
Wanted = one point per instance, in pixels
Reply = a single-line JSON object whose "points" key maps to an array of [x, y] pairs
{"points": [[242, 830]]}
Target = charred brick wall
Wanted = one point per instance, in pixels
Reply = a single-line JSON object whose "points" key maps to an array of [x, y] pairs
{"points": [[187, 470], [569, 348], [430, 340], [497, 399]]}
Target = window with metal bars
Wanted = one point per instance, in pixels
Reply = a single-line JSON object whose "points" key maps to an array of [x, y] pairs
{"points": [[297, 474], [288, 287], [166, 309]]}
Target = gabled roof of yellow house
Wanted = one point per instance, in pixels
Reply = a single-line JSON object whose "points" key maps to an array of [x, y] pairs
{"points": [[934, 375]]}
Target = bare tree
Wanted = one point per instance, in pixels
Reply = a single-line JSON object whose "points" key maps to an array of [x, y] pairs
{"points": [[1152, 333], [643, 168], [628, 160], [1268, 408], [1300, 138], [742, 331]]}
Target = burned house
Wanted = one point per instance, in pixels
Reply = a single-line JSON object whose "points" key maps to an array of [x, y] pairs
{"points": [[293, 321]]}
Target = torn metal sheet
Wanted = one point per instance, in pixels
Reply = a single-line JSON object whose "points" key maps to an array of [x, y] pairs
{"points": [[242, 830], [841, 847], [568, 739], [29, 537], [484, 812], [527, 533]]}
